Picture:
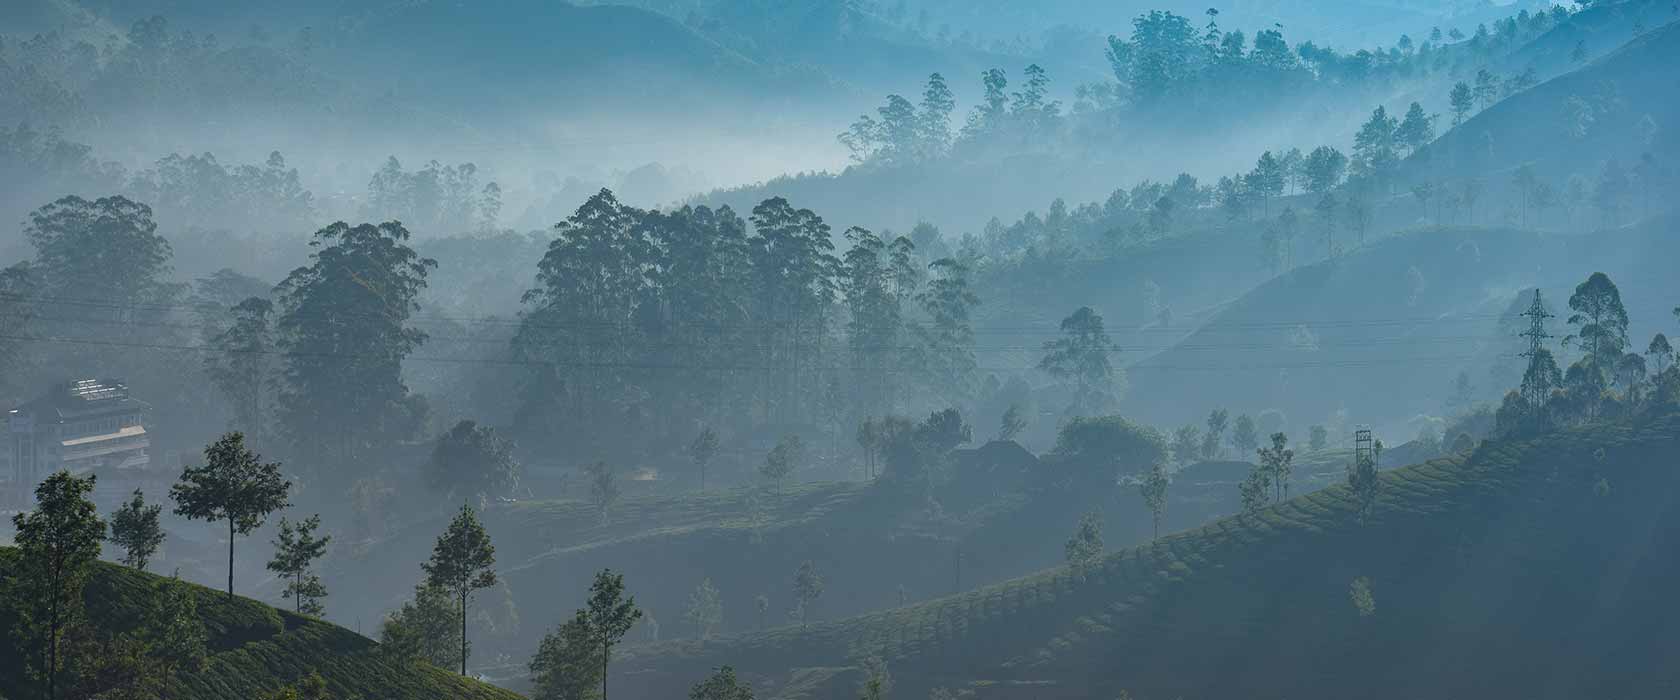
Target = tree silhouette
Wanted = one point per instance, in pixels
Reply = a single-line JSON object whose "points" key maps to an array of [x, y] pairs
{"points": [[461, 563], [611, 613], [471, 461], [1082, 355], [807, 587], [1154, 492], [704, 447], [295, 549], [134, 528], [59, 541], [233, 485]]}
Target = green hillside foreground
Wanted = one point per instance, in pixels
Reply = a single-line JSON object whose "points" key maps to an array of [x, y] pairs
{"points": [[254, 649], [1540, 568]]}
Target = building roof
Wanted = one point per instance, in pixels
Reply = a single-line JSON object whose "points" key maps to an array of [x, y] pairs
{"points": [[83, 398]]}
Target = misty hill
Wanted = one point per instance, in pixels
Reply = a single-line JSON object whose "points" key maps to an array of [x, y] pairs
{"points": [[1596, 30], [1614, 108], [1382, 332], [514, 54], [1538, 568], [1350, 23], [1384, 329], [253, 649]]}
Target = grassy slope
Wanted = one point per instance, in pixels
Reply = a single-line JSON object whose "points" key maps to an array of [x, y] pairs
{"points": [[255, 649], [1503, 574]]}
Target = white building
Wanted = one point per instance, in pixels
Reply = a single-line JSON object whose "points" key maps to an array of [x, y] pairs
{"points": [[85, 426]]}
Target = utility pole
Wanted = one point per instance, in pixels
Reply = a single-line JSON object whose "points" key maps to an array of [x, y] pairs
{"points": [[1535, 392]]}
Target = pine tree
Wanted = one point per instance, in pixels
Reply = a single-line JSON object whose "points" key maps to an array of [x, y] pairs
{"points": [[705, 609], [1012, 423], [934, 119], [567, 662], [1324, 168], [463, 561], [1243, 436], [58, 542], [783, 460], [603, 487], [948, 338], [173, 633], [1154, 492], [295, 550], [1082, 356], [704, 447], [807, 587], [1462, 100], [875, 325], [611, 614], [1486, 89], [1277, 463], [134, 528], [1266, 180], [1213, 441], [1416, 130], [1374, 145], [1086, 544], [423, 629]]}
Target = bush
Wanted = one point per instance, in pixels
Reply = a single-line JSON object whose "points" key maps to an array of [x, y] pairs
{"points": [[1097, 449]]}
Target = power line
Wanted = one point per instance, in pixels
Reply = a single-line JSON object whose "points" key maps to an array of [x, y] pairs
{"points": [[673, 345], [529, 322], [1321, 364]]}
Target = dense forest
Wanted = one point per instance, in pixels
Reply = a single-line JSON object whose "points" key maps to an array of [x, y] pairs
{"points": [[437, 350]]}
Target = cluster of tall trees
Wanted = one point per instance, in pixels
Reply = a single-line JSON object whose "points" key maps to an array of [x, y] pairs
{"points": [[647, 322], [197, 190], [641, 323], [151, 69], [902, 133], [1168, 58], [436, 198], [1191, 443], [1609, 378]]}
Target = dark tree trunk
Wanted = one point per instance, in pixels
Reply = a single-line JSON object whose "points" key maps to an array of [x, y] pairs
{"points": [[52, 633], [230, 557], [606, 651]]}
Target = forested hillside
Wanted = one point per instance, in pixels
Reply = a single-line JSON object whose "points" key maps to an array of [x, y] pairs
{"points": [[1515, 571], [837, 348], [1379, 335]]}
